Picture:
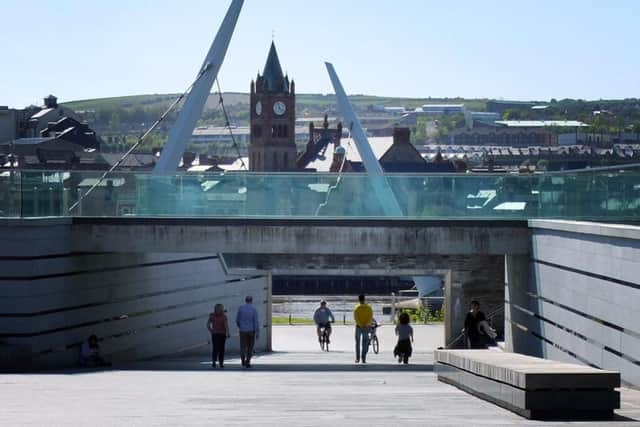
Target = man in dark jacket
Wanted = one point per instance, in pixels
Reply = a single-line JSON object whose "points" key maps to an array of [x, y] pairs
{"points": [[475, 339]]}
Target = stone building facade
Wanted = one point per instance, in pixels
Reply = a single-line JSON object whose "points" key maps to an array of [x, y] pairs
{"points": [[273, 119]]}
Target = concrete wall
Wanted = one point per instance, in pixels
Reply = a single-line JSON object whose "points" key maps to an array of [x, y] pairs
{"points": [[142, 305], [317, 237], [577, 297], [478, 278]]}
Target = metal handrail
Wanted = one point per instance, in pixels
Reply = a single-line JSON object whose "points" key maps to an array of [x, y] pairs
{"points": [[490, 316], [596, 169]]}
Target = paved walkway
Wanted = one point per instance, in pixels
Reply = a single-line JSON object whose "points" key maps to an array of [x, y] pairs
{"points": [[297, 386]]}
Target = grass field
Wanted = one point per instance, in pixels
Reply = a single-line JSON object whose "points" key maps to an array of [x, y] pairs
{"points": [[284, 320]]}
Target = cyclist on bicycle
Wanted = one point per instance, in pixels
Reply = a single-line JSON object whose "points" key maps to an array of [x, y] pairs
{"points": [[323, 318]]}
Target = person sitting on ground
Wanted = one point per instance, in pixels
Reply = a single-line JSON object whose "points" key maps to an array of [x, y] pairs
{"points": [[90, 353], [323, 318], [404, 331]]}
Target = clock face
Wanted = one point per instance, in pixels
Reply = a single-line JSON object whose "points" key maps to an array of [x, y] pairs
{"points": [[259, 108], [279, 108]]}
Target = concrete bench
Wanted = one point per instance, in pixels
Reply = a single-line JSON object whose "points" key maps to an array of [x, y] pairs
{"points": [[529, 386]]}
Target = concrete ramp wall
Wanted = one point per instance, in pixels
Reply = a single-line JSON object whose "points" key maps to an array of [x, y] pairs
{"points": [[140, 305], [577, 298]]}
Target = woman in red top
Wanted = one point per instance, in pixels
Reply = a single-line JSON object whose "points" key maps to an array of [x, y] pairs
{"points": [[219, 328]]}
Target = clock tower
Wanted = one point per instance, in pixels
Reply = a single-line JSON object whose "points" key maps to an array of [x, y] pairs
{"points": [[273, 119]]}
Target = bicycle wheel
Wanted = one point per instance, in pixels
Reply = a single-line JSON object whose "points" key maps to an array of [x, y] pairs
{"points": [[322, 342], [375, 344]]}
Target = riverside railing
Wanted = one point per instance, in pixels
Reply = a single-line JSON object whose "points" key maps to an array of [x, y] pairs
{"points": [[602, 195]]}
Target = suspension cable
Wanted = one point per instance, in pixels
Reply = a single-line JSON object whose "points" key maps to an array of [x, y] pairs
{"points": [[339, 179], [142, 138], [228, 126]]}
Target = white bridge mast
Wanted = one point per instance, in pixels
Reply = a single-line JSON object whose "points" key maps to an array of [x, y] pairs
{"points": [[379, 182], [181, 132]]}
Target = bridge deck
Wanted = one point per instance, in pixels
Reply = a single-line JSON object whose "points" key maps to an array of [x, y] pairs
{"points": [[186, 391], [301, 236]]}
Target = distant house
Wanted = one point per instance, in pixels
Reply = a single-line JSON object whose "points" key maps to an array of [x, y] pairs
{"points": [[514, 132], [402, 156], [396, 154], [50, 136], [71, 130], [443, 109], [51, 112]]}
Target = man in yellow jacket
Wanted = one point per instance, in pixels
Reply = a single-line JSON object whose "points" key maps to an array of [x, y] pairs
{"points": [[362, 314]]}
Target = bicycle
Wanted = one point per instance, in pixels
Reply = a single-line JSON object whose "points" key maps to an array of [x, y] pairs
{"points": [[324, 336], [373, 338]]}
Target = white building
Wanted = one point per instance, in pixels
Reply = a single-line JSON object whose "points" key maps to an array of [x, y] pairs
{"points": [[440, 109]]}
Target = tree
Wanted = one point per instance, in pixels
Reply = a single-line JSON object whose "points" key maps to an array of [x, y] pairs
{"points": [[636, 130], [511, 115]]}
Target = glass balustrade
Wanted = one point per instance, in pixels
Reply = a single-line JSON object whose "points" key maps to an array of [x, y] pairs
{"points": [[604, 195]]}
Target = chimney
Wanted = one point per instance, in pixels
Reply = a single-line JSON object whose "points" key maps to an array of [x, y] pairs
{"points": [[401, 135], [51, 102], [338, 159], [188, 158]]}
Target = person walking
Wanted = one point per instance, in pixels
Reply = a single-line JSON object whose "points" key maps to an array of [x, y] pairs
{"points": [[363, 315], [249, 327], [475, 339], [218, 326], [404, 331]]}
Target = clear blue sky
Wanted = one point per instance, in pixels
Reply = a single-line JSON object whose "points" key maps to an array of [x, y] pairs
{"points": [[79, 49]]}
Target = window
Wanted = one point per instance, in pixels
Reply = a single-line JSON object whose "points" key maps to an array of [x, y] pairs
{"points": [[257, 131], [273, 131], [286, 161]]}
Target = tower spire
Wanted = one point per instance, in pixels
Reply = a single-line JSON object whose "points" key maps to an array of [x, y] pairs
{"points": [[272, 74]]}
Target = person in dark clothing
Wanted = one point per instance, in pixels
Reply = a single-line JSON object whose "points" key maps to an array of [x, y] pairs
{"points": [[475, 339], [90, 354], [404, 331]]}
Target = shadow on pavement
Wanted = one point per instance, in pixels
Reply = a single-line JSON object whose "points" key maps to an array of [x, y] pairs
{"points": [[337, 361]]}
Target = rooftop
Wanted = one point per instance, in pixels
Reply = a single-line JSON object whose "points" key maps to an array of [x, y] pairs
{"points": [[443, 106], [541, 123], [379, 145]]}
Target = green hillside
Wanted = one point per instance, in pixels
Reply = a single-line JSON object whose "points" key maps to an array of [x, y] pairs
{"points": [[303, 101]]}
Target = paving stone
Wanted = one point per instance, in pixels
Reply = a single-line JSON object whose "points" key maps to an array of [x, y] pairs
{"points": [[295, 386]]}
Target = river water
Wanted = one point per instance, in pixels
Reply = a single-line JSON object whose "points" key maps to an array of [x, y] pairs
{"points": [[303, 306]]}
